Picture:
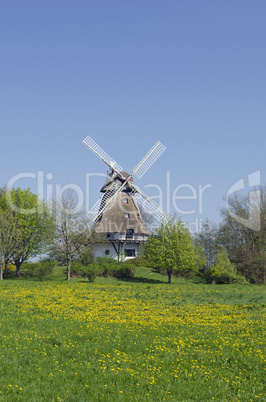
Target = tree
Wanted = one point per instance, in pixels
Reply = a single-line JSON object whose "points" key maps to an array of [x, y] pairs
{"points": [[243, 233], [149, 220], [10, 238], [170, 248], [34, 220], [3, 190], [73, 236], [207, 240], [223, 271]]}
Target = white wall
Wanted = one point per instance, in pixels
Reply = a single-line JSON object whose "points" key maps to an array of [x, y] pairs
{"points": [[100, 249]]}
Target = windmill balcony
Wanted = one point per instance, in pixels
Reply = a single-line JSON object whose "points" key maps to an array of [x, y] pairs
{"points": [[127, 237]]}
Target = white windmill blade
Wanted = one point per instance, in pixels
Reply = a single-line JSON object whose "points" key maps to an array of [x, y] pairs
{"points": [[94, 210], [150, 206], [113, 194], [149, 159], [90, 143]]}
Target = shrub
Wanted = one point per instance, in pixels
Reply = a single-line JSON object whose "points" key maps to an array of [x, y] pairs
{"points": [[91, 271], [124, 271], [86, 258], [39, 270], [106, 266], [76, 268], [11, 267], [212, 275], [223, 271], [103, 267], [104, 261]]}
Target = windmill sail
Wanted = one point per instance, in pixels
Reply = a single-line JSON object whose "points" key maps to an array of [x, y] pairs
{"points": [[151, 207], [117, 213], [90, 143], [149, 159]]}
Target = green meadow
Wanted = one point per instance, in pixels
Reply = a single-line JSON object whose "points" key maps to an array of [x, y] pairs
{"points": [[134, 340]]}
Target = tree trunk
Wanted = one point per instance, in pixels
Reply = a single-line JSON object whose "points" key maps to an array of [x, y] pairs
{"points": [[68, 270], [1, 272], [18, 264], [6, 268], [169, 273]]}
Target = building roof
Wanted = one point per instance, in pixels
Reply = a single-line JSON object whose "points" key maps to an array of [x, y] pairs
{"points": [[121, 215], [115, 182]]}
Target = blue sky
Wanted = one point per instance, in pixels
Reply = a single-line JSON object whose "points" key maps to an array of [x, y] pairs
{"points": [[189, 73]]}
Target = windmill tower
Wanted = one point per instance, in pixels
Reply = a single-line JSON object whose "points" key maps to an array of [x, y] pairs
{"points": [[116, 214]]}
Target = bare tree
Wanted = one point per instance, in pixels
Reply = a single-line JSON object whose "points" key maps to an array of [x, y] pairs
{"points": [[207, 240], [149, 220], [73, 233], [10, 238], [243, 233]]}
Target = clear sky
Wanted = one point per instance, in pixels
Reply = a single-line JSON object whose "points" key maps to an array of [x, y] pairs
{"points": [[190, 73]]}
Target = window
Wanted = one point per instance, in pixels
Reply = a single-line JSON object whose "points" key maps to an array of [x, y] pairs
{"points": [[127, 215], [130, 252], [130, 233], [125, 200], [107, 252]]}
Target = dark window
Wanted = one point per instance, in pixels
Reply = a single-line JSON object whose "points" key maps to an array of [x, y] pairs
{"points": [[130, 233], [107, 252], [127, 215], [130, 252]]}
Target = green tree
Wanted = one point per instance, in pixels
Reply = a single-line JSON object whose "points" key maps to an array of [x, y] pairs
{"points": [[223, 271], [170, 248], [34, 220]]}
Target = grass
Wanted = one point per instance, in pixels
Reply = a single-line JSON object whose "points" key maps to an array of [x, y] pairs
{"points": [[131, 340]]}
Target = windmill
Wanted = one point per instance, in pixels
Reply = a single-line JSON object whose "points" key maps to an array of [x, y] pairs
{"points": [[117, 213]]}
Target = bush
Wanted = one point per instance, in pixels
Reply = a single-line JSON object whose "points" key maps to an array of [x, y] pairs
{"points": [[106, 266], [39, 270], [86, 258], [105, 261], [103, 267], [124, 271], [212, 275], [223, 271], [76, 268], [91, 271], [11, 267]]}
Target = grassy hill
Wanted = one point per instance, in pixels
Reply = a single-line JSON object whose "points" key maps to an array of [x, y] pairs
{"points": [[140, 339]]}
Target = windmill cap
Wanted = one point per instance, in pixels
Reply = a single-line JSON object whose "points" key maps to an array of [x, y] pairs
{"points": [[124, 174], [118, 181]]}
